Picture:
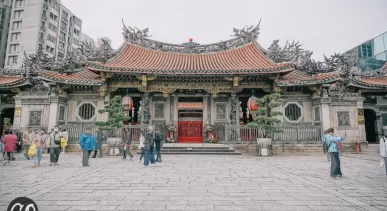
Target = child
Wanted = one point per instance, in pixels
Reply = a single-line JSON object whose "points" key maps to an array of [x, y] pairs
{"points": [[141, 146]]}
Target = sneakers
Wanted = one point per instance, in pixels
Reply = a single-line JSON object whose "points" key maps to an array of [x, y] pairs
{"points": [[50, 164], [123, 159], [132, 158]]}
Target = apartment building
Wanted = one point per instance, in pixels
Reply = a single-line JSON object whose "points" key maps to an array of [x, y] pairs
{"points": [[5, 16], [45, 24]]}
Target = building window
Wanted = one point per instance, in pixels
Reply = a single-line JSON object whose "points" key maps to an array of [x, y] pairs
{"points": [[18, 14], [65, 15], [61, 46], [52, 27], [53, 16], [49, 49], [343, 118], [317, 114], [86, 111], [12, 60], [51, 38], [62, 37], [76, 32], [61, 113], [14, 48], [19, 3], [35, 118], [293, 112], [15, 36], [16, 25]]}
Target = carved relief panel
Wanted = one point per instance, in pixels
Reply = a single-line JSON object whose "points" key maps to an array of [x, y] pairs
{"points": [[221, 111], [35, 118], [343, 118], [159, 111]]}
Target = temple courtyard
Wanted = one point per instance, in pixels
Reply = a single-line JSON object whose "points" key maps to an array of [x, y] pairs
{"points": [[199, 182]]}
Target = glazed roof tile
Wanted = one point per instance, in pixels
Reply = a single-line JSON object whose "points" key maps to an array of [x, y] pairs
{"points": [[83, 77], [297, 77], [247, 59], [376, 81], [7, 81]]}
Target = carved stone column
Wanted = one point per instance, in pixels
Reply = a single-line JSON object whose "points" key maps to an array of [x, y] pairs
{"points": [[146, 109], [325, 113], [209, 111], [233, 110], [171, 108], [17, 119]]}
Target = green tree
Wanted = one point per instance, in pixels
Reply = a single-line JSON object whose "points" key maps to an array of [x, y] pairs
{"points": [[116, 114], [267, 118]]}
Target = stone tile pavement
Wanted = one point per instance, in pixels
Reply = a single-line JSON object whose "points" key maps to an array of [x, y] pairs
{"points": [[188, 182]]}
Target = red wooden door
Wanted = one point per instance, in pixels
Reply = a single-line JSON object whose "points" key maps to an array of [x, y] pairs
{"points": [[190, 132]]}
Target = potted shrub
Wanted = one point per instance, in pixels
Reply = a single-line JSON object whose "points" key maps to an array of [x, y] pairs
{"points": [[113, 125], [267, 120]]}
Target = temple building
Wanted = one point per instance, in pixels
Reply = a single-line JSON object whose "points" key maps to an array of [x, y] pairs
{"points": [[192, 85]]}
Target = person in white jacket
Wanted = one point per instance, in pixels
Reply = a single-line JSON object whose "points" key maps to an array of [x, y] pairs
{"points": [[141, 146], [383, 149]]}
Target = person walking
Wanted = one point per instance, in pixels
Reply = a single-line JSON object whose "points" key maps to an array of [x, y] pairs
{"points": [[141, 146], [149, 142], [9, 141], [332, 139], [19, 143], [383, 149], [126, 145], [325, 146], [100, 139], [28, 136], [64, 138], [87, 143], [158, 141], [40, 141], [54, 146]]}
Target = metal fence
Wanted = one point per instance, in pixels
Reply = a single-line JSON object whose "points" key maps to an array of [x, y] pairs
{"points": [[292, 133], [75, 130]]}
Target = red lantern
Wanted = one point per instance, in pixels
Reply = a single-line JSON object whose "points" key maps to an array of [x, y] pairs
{"points": [[252, 104], [128, 102], [190, 39]]}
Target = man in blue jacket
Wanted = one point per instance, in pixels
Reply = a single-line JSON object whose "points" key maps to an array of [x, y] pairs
{"points": [[87, 142]]}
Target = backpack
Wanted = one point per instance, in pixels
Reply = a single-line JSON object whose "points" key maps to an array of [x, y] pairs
{"points": [[32, 150], [158, 137]]}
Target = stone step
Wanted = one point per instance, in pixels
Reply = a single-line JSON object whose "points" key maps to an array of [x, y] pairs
{"points": [[204, 153], [197, 150]]}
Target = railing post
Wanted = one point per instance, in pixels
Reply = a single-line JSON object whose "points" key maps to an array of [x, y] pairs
{"points": [[298, 141]]}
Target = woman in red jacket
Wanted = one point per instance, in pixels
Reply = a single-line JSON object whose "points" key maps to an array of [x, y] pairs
{"points": [[9, 142]]}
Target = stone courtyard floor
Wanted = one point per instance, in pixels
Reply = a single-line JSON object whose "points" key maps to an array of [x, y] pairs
{"points": [[188, 182]]}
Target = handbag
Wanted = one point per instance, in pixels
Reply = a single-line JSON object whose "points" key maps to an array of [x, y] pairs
{"points": [[63, 142], [32, 150], [57, 142], [339, 146]]}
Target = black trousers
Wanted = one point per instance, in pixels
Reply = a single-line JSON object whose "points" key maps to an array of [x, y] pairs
{"points": [[54, 154], [335, 164], [95, 152]]}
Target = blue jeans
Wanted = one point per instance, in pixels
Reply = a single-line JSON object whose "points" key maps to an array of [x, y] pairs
{"points": [[38, 155], [149, 157], [142, 153], [335, 164]]}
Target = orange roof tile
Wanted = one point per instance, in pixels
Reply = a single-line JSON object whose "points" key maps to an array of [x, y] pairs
{"points": [[297, 77], [245, 59], [82, 77], [10, 80]]}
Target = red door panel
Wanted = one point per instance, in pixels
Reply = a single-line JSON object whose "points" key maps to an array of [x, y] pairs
{"points": [[190, 132]]}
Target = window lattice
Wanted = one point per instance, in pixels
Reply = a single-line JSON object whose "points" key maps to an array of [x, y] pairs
{"points": [[293, 112], [86, 111]]}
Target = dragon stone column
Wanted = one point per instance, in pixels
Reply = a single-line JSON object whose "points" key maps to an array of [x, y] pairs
{"points": [[233, 111], [146, 109]]}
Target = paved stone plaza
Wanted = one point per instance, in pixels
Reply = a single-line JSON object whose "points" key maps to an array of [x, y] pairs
{"points": [[187, 182]]}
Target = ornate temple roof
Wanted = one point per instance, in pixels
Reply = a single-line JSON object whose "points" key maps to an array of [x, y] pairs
{"points": [[247, 59], [11, 81], [372, 79], [297, 78], [84, 77]]}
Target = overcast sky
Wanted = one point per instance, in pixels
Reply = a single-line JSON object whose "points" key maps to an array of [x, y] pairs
{"points": [[322, 26]]}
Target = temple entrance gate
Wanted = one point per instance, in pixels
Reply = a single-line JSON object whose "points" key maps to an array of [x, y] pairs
{"points": [[190, 120]]}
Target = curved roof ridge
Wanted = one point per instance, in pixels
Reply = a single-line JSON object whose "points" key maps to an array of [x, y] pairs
{"points": [[140, 38]]}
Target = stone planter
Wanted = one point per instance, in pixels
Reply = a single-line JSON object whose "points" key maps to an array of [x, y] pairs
{"points": [[114, 146], [264, 144]]}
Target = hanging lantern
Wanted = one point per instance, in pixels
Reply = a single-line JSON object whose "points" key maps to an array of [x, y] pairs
{"points": [[128, 102], [253, 106]]}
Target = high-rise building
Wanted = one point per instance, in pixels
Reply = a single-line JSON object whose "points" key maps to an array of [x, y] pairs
{"points": [[372, 54], [45, 24], [5, 15]]}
